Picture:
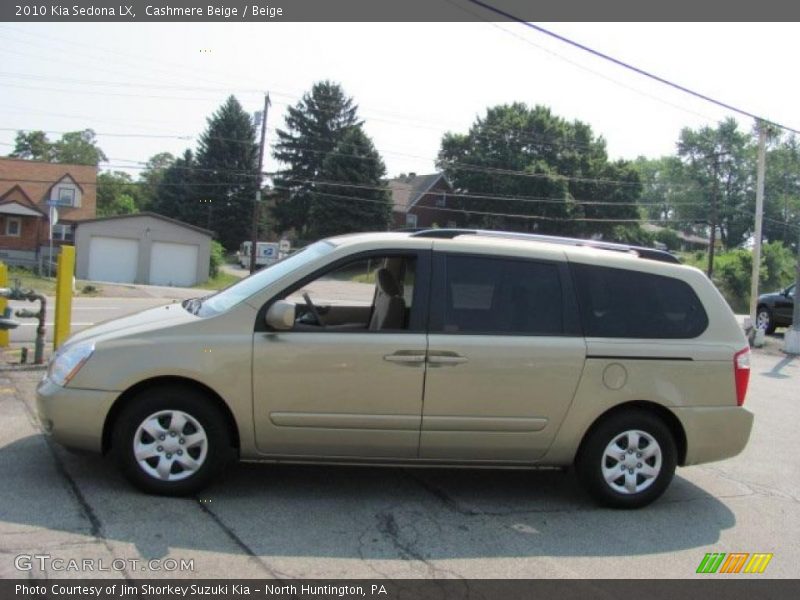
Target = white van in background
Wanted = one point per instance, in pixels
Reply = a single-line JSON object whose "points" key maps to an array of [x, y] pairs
{"points": [[267, 253]]}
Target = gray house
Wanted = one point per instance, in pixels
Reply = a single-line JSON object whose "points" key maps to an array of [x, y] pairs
{"points": [[142, 248]]}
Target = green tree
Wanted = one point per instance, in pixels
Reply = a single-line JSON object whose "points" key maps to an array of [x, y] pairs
{"points": [[552, 171], [782, 191], [116, 194], [78, 148], [151, 176], [355, 161], [74, 147], [176, 194], [666, 188], [721, 163], [314, 127], [32, 145], [225, 173]]}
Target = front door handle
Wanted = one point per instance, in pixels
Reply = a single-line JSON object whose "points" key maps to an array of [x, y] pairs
{"points": [[446, 357], [408, 357]]}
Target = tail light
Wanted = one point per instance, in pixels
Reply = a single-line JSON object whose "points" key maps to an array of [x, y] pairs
{"points": [[741, 373]]}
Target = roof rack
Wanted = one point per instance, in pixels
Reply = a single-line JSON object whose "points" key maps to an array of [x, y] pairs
{"points": [[640, 251]]}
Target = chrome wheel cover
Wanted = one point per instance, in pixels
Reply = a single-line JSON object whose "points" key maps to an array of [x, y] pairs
{"points": [[631, 462], [170, 445]]}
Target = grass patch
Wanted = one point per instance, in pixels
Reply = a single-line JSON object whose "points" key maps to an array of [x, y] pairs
{"points": [[222, 280], [46, 285]]}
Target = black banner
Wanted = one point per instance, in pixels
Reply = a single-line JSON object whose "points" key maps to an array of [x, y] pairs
{"points": [[411, 589], [394, 10]]}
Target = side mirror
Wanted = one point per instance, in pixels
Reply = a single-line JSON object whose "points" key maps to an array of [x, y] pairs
{"points": [[281, 315]]}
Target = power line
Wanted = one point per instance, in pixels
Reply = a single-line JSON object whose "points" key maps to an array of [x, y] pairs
{"points": [[124, 84], [469, 196], [583, 67], [180, 69], [98, 133], [501, 197], [484, 213], [631, 67]]}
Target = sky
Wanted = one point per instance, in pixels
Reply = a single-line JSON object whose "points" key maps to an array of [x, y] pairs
{"points": [[149, 87]]}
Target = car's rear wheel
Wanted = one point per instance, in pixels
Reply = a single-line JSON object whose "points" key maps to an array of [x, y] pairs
{"points": [[627, 460], [764, 319], [171, 440]]}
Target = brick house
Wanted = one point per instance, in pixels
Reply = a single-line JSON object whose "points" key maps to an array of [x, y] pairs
{"points": [[28, 189], [422, 201]]}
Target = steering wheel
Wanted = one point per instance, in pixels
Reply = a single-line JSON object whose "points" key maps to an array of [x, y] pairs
{"points": [[313, 309]]}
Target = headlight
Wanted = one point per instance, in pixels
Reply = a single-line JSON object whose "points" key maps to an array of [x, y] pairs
{"points": [[65, 365]]}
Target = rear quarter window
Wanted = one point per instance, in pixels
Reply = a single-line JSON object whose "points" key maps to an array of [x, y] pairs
{"points": [[619, 303]]}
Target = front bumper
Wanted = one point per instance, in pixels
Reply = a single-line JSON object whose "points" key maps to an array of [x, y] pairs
{"points": [[714, 433], [74, 417]]}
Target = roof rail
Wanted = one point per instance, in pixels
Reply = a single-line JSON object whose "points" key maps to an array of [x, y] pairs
{"points": [[640, 251]]}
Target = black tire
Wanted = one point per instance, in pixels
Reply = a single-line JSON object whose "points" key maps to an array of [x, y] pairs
{"points": [[767, 317], [173, 400], [591, 459]]}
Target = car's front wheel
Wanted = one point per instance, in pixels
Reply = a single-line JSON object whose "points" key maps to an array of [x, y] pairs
{"points": [[764, 320], [171, 440], [627, 460]]}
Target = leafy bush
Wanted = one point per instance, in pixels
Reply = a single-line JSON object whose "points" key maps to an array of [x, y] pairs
{"points": [[217, 258], [631, 234], [732, 272], [778, 267], [669, 238]]}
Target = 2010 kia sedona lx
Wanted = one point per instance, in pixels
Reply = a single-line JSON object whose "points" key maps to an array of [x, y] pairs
{"points": [[439, 347]]}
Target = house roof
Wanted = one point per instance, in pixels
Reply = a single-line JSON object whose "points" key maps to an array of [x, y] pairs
{"points": [[66, 176], [148, 214], [686, 237], [407, 190], [37, 178], [20, 199]]}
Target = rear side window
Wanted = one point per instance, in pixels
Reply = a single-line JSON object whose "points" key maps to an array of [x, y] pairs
{"points": [[619, 303], [490, 295]]}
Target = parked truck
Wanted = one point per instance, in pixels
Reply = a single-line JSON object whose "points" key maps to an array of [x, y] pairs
{"points": [[267, 253]]}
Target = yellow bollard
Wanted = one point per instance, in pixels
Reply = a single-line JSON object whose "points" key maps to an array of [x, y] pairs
{"points": [[64, 272], [3, 303]]}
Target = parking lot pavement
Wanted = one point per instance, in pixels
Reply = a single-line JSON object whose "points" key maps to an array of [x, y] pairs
{"points": [[292, 521]]}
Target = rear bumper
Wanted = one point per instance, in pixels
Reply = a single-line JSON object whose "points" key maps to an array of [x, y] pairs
{"points": [[714, 433], [74, 417]]}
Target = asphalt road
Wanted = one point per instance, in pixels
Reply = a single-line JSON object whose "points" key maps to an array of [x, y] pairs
{"points": [[289, 521], [86, 311]]}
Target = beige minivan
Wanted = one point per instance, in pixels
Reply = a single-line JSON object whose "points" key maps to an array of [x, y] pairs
{"points": [[430, 348]]}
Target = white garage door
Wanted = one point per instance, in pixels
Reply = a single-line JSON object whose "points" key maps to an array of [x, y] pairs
{"points": [[113, 259], [173, 264]]}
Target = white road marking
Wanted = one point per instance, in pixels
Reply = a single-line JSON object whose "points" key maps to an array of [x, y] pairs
{"points": [[51, 324]]}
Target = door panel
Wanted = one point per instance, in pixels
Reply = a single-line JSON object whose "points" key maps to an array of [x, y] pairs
{"points": [[784, 306], [505, 357], [351, 386], [335, 394], [504, 402]]}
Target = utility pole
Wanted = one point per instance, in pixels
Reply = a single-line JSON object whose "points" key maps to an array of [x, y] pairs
{"points": [[257, 199], [208, 218], [762, 152], [712, 241]]}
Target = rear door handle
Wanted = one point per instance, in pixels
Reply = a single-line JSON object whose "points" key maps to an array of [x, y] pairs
{"points": [[446, 357], [408, 357]]}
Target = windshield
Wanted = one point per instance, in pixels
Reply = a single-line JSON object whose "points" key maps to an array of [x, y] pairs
{"points": [[241, 290]]}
